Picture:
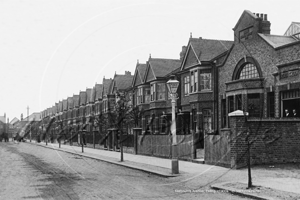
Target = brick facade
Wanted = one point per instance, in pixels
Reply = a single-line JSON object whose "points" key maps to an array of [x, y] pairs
{"points": [[273, 141]]}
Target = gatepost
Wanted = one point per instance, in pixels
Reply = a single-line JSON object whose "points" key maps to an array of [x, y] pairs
{"points": [[237, 139], [136, 133]]}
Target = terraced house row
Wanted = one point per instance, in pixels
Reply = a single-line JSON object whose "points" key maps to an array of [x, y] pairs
{"points": [[230, 92]]}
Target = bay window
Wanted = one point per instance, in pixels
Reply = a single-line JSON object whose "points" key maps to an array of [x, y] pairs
{"points": [[153, 92], [186, 85], [205, 81], [194, 81], [139, 96], [147, 95], [161, 91]]}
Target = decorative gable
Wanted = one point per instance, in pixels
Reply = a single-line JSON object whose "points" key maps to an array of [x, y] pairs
{"points": [[65, 104], [249, 25], [190, 58], [137, 79], [149, 74]]}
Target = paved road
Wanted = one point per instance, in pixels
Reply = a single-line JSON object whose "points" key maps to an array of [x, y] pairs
{"points": [[33, 172]]}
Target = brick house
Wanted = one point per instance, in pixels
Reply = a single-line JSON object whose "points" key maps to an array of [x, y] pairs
{"points": [[260, 76], [140, 90], [198, 77], [155, 94]]}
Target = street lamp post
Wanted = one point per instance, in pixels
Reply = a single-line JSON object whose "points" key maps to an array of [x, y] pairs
{"points": [[172, 87]]}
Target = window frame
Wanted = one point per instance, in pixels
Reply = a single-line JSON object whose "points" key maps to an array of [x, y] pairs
{"points": [[194, 81], [203, 81], [248, 71], [186, 85]]}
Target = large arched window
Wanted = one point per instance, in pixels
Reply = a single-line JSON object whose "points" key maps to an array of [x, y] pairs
{"points": [[249, 70]]}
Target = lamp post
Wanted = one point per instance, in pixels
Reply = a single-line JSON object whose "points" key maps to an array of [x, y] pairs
{"points": [[172, 87]]}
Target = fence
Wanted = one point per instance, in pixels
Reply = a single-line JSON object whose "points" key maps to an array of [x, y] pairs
{"points": [[160, 145]]}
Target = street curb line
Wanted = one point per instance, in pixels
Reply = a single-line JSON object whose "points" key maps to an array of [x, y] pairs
{"points": [[110, 161], [220, 186]]}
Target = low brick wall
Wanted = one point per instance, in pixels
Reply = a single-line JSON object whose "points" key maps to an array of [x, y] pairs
{"points": [[272, 141]]}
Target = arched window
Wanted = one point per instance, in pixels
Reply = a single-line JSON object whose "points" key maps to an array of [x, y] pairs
{"points": [[248, 71]]}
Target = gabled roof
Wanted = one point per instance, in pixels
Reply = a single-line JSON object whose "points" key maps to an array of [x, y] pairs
{"points": [[294, 28], [82, 96], [98, 91], [160, 67], [89, 95], [278, 40], [60, 106], [2, 119], [106, 85], [36, 116], [204, 50], [70, 102], [14, 120], [139, 74], [246, 12], [56, 108], [76, 100], [65, 104], [121, 82], [53, 110]]}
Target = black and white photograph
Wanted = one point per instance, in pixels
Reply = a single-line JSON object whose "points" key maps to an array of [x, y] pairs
{"points": [[152, 99]]}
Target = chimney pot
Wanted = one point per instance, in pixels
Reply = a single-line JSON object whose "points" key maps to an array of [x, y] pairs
{"points": [[265, 17], [257, 14], [261, 15]]}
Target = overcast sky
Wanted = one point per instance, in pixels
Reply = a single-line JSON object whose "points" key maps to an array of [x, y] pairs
{"points": [[50, 50]]}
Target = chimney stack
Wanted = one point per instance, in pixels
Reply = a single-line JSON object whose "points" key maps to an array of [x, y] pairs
{"points": [[128, 73], [182, 53], [265, 25]]}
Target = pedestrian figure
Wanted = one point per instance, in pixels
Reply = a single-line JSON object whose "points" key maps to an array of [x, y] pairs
{"points": [[287, 114], [83, 138], [295, 113]]}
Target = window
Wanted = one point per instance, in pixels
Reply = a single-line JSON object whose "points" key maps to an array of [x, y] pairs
{"points": [[186, 85], [205, 81], [223, 112], [147, 95], [230, 104], [246, 34], [290, 103], [248, 71], [239, 102], [207, 121], [140, 96], [161, 91], [271, 104], [194, 120], [194, 81], [254, 107], [153, 92]]}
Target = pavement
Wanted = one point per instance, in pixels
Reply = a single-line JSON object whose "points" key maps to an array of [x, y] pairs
{"points": [[162, 167]]}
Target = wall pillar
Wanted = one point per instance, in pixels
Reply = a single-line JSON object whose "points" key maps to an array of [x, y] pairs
{"points": [[136, 133], [277, 102], [238, 145]]}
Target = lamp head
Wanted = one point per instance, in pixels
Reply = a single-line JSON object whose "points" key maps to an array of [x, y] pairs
{"points": [[172, 86]]}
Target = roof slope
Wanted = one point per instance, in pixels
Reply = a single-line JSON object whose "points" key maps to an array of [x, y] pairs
{"points": [[98, 91], [139, 75], [207, 49], [161, 67], [122, 82], [106, 85], [278, 40]]}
